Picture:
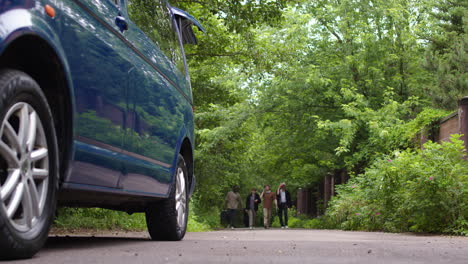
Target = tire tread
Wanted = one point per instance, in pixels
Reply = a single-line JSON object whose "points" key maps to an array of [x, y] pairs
{"points": [[12, 247], [161, 217]]}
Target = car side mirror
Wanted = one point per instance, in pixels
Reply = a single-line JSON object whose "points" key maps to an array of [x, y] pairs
{"points": [[184, 22]]}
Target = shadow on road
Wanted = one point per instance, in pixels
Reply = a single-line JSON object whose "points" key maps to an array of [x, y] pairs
{"points": [[74, 243]]}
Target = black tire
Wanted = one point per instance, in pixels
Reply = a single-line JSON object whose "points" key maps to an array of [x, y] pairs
{"points": [[18, 239], [162, 217]]}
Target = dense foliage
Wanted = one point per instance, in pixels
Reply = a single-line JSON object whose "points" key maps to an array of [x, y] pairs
{"points": [[423, 190], [293, 90], [323, 85]]}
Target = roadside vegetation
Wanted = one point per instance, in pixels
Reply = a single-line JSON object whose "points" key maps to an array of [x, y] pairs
{"points": [[70, 219], [292, 90], [98, 219], [422, 191]]}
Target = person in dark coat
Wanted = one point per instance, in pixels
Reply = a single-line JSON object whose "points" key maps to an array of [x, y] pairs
{"points": [[251, 206], [284, 202]]}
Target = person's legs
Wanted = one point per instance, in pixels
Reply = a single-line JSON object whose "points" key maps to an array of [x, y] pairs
{"points": [[234, 214], [265, 217], [250, 212], [254, 218], [285, 215], [280, 214], [269, 217], [232, 217]]}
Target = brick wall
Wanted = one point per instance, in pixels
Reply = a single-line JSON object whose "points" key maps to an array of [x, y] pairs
{"points": [[448, 126], [456, 123]]}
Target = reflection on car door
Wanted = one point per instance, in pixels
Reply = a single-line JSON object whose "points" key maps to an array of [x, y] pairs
{"points": [[99, 66], [157, 109]]}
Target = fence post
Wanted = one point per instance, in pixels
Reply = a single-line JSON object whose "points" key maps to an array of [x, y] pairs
{"points": [[300, 202], [463, 121], [332, 185], [342, 177], [327, 190]]}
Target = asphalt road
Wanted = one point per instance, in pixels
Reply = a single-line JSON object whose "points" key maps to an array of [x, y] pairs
{"points": [[255, 246]]}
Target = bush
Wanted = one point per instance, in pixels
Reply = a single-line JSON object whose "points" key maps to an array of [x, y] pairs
{"points": [[99, 219], [422, 191], [195, 225], [300, 221]]}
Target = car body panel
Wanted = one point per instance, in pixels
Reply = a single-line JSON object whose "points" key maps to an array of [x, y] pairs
{"points": [[99, 66], [157, 111], [132, 108]]}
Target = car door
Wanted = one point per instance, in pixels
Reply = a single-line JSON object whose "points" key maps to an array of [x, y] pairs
{"points": [[99, 65], [160, 105]]}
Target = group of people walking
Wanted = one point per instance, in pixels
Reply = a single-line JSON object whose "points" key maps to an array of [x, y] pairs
{"points": [[281, 199]]}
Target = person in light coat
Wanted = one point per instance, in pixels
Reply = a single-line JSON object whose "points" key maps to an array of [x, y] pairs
{"points": [[233, 203]]}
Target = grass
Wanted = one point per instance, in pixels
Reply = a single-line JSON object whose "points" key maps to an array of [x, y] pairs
{"points": [[99, 219], [103, 219]]}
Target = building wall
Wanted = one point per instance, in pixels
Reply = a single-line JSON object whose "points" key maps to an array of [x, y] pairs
{"points": [[448, 126]]}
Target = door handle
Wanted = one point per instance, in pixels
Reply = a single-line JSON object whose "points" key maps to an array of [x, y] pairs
{"points": [[121, 23]]}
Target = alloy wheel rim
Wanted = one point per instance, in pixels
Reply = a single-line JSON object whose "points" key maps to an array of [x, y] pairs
{"points": [[24, 166], [181, 198]]}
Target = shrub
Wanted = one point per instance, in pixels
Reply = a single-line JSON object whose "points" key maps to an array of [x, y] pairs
{"points": [[423, 191], [195, 225], [300, 221]]}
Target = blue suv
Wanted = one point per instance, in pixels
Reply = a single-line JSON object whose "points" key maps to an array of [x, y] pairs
{"points": [[96, 110]]}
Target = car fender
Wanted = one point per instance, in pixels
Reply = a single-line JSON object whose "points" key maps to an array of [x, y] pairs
{"points": [[22, 22], [183, 134]]}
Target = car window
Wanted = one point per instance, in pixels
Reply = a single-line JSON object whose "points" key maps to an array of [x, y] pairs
{"points": [[154, 19]]}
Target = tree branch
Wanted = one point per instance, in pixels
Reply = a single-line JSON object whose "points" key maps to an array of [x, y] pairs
{"points": [[330, 30]]}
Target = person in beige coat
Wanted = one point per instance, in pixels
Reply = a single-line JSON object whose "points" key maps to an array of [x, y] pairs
{"points": [[233, 203]]}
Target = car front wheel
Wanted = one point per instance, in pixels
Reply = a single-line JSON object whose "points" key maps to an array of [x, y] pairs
{"points": [[167, 219], [28, 166]]}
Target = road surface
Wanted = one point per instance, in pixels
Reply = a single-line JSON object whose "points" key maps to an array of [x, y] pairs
{"points": [[256, 246]]}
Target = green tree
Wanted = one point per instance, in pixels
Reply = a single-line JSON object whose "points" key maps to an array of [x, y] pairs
{"points": [[446, 58]]}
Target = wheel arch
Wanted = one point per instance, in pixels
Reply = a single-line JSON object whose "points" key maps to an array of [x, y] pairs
{"points": [[32, 54], [186, 150]]}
